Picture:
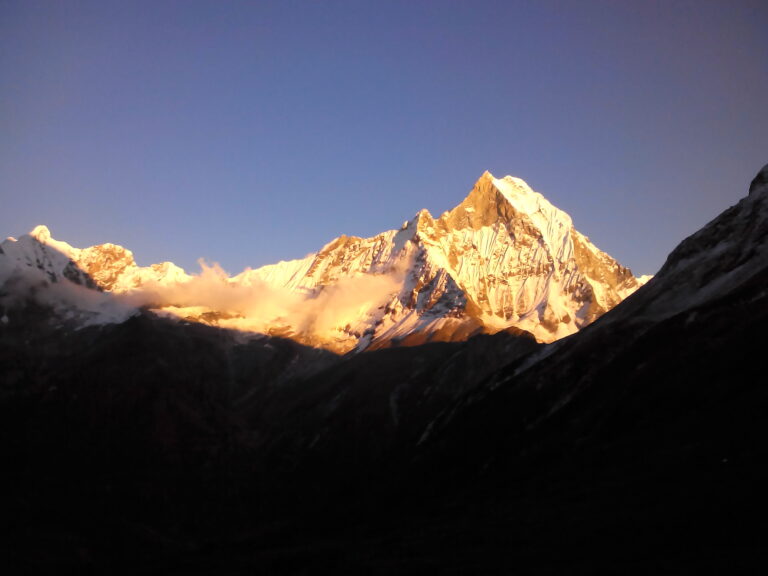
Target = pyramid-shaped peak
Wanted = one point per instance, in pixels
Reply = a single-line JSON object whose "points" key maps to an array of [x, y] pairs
{"points": [[489, 190], [494, 200], [519, 183]]}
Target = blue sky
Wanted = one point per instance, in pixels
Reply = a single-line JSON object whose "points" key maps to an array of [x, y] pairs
{"points": [[250, 132]]}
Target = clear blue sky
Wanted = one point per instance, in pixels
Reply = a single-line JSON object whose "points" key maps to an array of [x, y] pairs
{"points": [[250, 132]]}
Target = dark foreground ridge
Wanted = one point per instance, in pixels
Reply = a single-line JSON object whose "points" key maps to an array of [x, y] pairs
{"points": [[635, 446]]}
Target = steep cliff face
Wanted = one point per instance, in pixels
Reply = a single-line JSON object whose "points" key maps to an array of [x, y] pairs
{"points": [[521, 262], [503, 258]]}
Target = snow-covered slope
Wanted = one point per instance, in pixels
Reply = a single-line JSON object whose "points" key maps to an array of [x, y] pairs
{"points": [[53, 273], [504, 257], [108, 266]]}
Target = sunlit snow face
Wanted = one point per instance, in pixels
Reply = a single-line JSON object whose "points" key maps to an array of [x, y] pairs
{"points": [[504, 257]]}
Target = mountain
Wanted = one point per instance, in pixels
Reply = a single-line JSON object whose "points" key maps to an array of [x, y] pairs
{"points": [[636, 445], [503, 258], [674, 367], [106, 266], [683, 352]]}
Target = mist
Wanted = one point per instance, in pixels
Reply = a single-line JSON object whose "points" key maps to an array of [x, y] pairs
{"points": [[322, 313], [259, 306]]}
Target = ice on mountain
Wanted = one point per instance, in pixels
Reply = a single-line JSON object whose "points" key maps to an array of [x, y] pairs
{"points": [[505, 256]]}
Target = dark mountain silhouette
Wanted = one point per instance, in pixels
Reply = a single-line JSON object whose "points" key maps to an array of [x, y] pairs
{"points": [[635, 446]]}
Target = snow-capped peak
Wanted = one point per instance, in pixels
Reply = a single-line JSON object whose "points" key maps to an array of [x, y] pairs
{"points": [[509, 199], [41, 232], [517, 192], [504, 257]]}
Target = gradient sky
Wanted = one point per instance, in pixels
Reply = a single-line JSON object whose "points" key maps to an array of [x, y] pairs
{"points": [[250, 132]]}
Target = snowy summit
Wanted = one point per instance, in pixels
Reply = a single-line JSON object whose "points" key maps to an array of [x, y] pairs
{"points": [[504, 258]]}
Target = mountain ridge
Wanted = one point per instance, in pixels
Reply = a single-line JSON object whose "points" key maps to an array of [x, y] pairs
{"points": [[634, 446], [503, 257]]}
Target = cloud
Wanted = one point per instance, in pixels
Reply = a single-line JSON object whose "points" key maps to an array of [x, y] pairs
{"points": [[348, 300], [213, 289], [349, 304], [259, 306]]}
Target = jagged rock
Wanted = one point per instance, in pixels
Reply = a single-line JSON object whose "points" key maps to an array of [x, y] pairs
{"points": [[504, 257]]}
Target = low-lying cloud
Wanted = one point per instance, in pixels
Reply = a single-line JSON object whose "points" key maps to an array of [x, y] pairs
{"points": [[248, 306], [257, 305]]}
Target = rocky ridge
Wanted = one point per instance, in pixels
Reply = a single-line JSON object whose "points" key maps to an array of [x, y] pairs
{"points": [[505, 257]]}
